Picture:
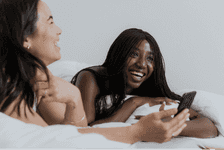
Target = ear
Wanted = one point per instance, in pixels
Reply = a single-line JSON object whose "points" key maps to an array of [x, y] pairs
{"points": [[26, 42]]}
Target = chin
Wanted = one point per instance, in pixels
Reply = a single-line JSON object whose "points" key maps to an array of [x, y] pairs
{"points": [[134, 85]]}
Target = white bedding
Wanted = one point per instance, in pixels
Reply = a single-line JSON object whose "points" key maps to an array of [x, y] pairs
{"points": [[17, 134]]}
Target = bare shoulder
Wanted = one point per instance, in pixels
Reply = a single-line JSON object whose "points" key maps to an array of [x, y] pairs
{"points": [[86, 77]]}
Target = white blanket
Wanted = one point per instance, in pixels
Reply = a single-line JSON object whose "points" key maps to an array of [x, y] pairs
{"points": [[17, 134]]}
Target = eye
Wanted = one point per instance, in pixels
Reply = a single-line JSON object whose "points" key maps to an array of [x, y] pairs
{"points": [[134, 54], [52, 22], [150, 58]]}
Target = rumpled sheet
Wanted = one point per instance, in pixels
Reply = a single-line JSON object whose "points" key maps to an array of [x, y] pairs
{"points": [[17, 134]]}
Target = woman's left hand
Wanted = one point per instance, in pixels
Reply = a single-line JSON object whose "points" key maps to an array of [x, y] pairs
{"points": [[152, 101], [160, 109], [167, 101]]}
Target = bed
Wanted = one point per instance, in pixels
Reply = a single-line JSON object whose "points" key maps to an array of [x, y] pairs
{"points": [[17, 134]]}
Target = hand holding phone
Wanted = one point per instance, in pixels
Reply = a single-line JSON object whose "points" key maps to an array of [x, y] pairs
{"points": [[186, 102]]}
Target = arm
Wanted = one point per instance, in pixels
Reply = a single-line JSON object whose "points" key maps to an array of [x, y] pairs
{"points": [[149, 128], [89, 89], [199, 126], [87, 84], [62, 99], [130, 105]]}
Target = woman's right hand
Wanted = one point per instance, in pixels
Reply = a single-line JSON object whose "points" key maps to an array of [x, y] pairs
{"points": [[56, 90], [151, 128], [61, 91]]}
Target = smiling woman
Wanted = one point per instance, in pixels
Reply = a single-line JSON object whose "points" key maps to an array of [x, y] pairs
{"points": [[43, 42], [134, 66], [29, 37], [139, 66]]}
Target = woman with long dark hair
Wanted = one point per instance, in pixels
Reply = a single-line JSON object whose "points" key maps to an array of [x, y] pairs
{"points": [[28, 43], [134, 66]]}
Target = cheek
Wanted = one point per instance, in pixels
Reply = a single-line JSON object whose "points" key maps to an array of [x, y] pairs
{"points": [[131, 61]]}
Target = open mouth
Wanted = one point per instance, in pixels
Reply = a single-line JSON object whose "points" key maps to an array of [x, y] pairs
{"points": [[56, 44], [137, 75]]}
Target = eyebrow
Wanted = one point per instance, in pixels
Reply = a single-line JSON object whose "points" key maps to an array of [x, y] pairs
{"points": [[150, 52], [50, 17]]}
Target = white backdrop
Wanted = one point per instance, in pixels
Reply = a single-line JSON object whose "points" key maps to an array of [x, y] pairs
{"points": [[190, 34]]}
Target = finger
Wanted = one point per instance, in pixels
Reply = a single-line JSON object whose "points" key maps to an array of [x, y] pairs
{"points": [[180, 117], [177, 132], [169, 101], [177, 129], [165, 113], [162, 107], [138, 116], [174, 102]]}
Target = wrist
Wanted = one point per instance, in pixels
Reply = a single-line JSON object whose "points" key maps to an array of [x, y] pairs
{"points": [[134, 133], [72, 113]]}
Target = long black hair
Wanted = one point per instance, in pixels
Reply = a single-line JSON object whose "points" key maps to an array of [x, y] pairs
{"points": [[18, 67]]}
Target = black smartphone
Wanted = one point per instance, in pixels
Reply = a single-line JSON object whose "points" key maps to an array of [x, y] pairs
{"points": [[188, 98]]}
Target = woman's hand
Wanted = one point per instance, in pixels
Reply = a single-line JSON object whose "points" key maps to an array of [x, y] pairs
{"points": [[166, 119], [152, 128], [60, 91], [152, 101], [160, 109], [56, 90]]}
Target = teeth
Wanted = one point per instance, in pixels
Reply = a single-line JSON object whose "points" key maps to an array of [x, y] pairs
{"points": [[137, 73]]}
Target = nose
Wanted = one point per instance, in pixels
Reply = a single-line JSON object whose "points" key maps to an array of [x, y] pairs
{"points": [[141, 63], [59, 31]]}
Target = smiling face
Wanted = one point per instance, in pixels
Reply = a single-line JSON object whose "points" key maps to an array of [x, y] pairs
{"points": [[43, 42], [139, 66]]}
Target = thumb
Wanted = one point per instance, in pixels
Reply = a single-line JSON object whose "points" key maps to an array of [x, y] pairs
{"points": [[162, 106], [166, 113]]}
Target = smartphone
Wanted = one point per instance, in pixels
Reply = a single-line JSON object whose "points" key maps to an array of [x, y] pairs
{"points": [[188, 98]]}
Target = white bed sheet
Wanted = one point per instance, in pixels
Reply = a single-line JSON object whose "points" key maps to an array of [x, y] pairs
{"points": [[17, 134]]}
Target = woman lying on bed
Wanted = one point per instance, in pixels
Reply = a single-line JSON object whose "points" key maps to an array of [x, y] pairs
{"points": [[28, 38], [134, 66]]}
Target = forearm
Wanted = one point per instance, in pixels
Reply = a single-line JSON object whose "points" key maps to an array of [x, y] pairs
{"points": [[121, 115], [200, 128], [119, 134]]}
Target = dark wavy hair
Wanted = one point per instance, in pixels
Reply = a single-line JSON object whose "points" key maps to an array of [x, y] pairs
{"points": [[18, 67], [119, 52]]}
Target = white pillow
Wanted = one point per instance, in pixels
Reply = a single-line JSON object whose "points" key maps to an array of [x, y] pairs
{"points": [[66, 69], [209, 105]]}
